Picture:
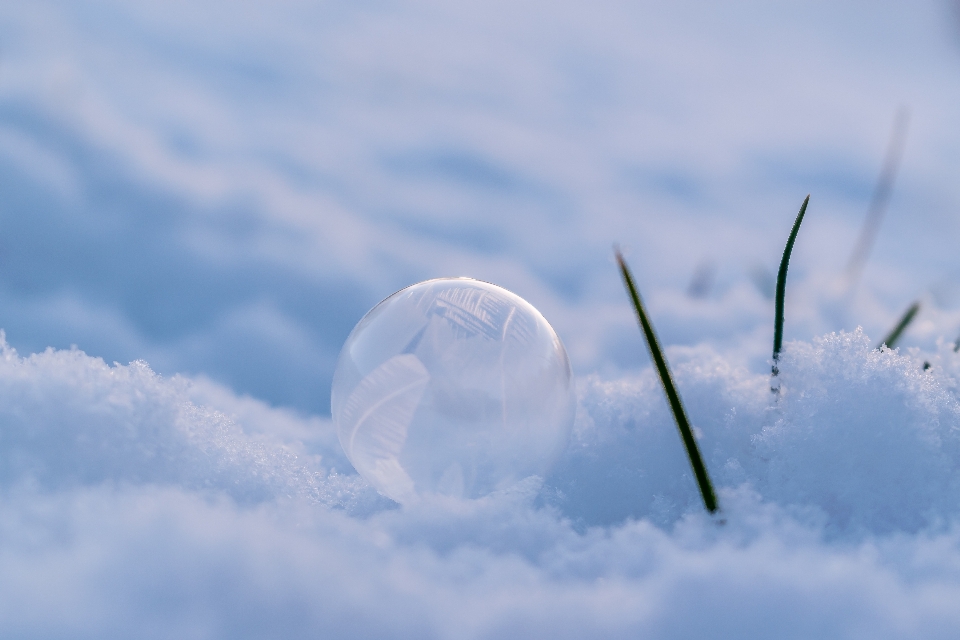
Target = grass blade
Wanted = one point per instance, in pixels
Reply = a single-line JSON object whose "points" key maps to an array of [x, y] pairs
{"points": [[879, 200], [898, 330], [693, 452], [781, 294], [702, 281]]}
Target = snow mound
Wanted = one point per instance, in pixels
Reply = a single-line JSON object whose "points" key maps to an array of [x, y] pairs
{"points": [[863, 440], [71, 420], [129, 509]]}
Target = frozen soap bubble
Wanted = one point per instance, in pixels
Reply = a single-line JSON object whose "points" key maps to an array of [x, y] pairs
{"points": [[452, 386]]}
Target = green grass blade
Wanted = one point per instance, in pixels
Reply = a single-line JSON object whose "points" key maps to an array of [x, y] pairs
{"points": [[782, 292], [898, 330], [686, 433]]}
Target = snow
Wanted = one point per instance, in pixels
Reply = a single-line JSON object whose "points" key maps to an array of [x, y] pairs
{"points": [[222, 190], [129, 509]]}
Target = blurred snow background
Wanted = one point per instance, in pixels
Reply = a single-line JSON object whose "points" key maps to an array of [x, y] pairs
{"points": [[223, 189]]}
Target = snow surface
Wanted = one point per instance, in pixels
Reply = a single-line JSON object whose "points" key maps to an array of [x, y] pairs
{"points": [[130, 510], [222, 189]]}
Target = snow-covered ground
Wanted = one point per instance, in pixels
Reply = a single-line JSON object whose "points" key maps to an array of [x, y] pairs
{"points": [[221, 190]]}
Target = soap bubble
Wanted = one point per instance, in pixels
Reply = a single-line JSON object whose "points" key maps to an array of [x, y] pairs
{"points": [[452, 386]]}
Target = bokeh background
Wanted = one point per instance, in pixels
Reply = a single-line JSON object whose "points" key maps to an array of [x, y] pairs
{"points": [[224, 188]]}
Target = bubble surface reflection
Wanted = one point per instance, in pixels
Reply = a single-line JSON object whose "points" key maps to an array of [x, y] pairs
{"points": [[452, 386]]}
